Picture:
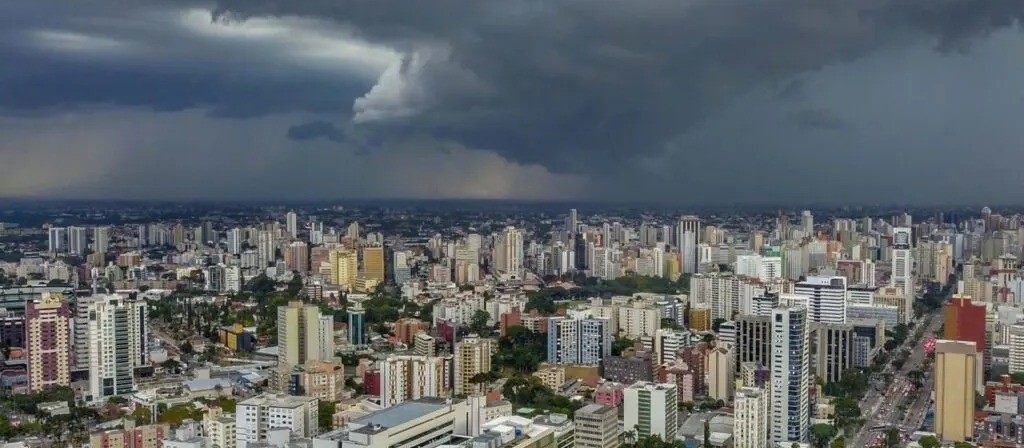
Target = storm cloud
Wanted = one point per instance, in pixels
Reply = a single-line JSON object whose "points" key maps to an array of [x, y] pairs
{"points": [[668, 100]]}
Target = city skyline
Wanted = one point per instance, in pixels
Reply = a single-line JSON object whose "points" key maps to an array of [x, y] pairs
{"points": [[675, 102]]}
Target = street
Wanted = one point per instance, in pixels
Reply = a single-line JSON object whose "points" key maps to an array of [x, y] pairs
{"points": [[881, 409]]}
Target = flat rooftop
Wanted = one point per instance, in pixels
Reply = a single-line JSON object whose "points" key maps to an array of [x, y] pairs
{"points": [[402, 412]]}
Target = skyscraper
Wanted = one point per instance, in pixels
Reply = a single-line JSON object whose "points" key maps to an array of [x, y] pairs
{"points": [[118, 329], [650, 409], [291, 221], [77, 241], [472, 356], [955, 370], [48, 341], [344, 267], [411, 377], [302, 335], [58, 240], [902, 260], [266, 248], [296, 257], [790, 367], [750, 427], [571, 222], [235, 241], [579, 341], [100, 239], [356, 324], [965, 321], [508, 252], [807, 223], [826, 296], [373, 263]]}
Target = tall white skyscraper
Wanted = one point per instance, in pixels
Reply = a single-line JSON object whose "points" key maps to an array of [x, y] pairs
{"points": [[688, 251], [902, 260], [652, 409], [826, 298], [266, 248], [807, 223], [291, 221], [790, 373], [100, 239], [117, 332], [235, 241], [58, 240], [571, 222], [77, 241]]}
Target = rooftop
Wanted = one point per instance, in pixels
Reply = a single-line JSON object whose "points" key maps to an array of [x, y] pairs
{"points": [[401, 413]]}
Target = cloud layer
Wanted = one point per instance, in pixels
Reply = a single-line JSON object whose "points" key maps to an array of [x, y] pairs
{"points": [[689, 101]]}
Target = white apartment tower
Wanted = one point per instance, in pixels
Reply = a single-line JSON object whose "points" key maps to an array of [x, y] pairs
{"points": [[902, 260], [411, 377], [790, 375], [256, 416], [651, 409], [117, 331], [826, 298]]}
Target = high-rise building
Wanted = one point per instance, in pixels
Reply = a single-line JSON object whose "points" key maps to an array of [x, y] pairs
{"points": [[131, 436], [753, 340], [266, 248], [48, 341], [650, 409], [344, 267], [100, 239], [291, 224], [296, 257], [791, 381], [571, 222], [77, 241], [373, 263], [826, 298], [902, 260], [579, 341], [472, 356], [955, 370], [256, 416], [965, 321], [117, 332], [324, 380], [411, 377], [720, 372], [302, 335], [688, 251], [750, 425], [807, 223], [508, 252], [356, 324], [235, 241], [832, 346], [58, 240], [597, 426]]}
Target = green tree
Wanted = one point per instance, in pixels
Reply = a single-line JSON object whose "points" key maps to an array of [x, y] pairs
{"points": [[838, 442], [929, 442], [325, 415], [892, 437], [142, 415], [962, 445], [478, 323], [620, 344], [822, 433]]}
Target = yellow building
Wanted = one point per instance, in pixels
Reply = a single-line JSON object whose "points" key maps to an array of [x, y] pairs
{"points": [[373, 263], [344, 267], [472, 356], [700, 319], [551, 375], [323, 380], [955, 368], [237, 338], [364, 284], [672, 266]]}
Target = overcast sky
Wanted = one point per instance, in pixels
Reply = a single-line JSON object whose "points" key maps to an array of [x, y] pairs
{"points": [[679, 101]]}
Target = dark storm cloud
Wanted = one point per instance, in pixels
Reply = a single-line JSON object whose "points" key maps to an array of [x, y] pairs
{"points": [[60, 55], [818, 119], [316, 129], [578, 86]]}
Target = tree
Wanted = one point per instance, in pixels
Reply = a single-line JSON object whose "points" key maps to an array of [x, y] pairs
{"points": [[478, 323], [929, 442], [142, 415], [620, 344], [962, 445], [325, 415], [822, 433], [892, 437], [838, 442]]}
